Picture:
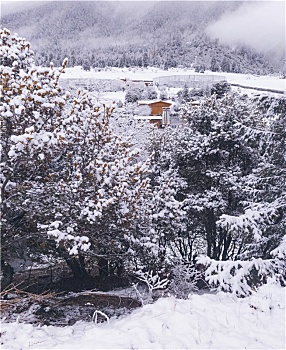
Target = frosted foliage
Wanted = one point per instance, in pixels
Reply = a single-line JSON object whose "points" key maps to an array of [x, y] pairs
{"points": [[241, 277], [280, 251], [63, 160], [152, 280], [105, 178], [251, 221], [30, 102], [14, 51], [183, 281], [73, 244], [31, 105]]}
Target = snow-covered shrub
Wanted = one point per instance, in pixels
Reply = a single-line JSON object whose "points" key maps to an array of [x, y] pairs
{"points": [[241, 277], [184, 280], [70, 183], [232, 161], [153, 281], [163, 94], [149, 93], [220, 89], [31, 106], [133, 94]]}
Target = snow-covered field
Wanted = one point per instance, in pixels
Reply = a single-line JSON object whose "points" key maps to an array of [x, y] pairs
{"points": [[207, 321], [132, 74], [267, 82]]}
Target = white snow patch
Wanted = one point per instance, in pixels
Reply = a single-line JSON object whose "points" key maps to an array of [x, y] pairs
{"points": [[149, 73], [209, 321]]}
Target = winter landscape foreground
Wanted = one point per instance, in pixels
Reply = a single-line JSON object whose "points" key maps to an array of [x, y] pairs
{"points": [[206, 321]]}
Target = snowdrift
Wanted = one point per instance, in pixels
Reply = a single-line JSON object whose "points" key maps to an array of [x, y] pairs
{"points": [[207, 321]]}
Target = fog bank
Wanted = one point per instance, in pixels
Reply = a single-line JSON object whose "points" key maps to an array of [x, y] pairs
{"points": [[260, 25]]}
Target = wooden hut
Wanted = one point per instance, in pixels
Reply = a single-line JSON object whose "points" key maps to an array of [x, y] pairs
{"points": [[155, 105]]}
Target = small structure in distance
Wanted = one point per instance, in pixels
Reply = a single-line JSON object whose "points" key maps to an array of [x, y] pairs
{"points": [[190, 81], [159, 112]]}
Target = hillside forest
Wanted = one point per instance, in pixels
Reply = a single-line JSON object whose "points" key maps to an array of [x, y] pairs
{"points": [[128, 34]]}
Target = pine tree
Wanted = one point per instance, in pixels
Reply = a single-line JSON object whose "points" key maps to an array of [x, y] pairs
{"points": [[228, 209], [266, 188]]}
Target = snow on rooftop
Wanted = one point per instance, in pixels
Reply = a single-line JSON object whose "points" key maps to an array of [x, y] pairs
{"points": [[148, 117], [149, 102]]}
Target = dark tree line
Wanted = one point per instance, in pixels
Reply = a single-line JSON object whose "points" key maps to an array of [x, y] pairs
{"points": [[199, 52]]}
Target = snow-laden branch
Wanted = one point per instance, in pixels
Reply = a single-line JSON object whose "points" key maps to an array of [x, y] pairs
{"points": [[240, 277], [251, 221], [73, 243], [152, 280], [280, 251]]}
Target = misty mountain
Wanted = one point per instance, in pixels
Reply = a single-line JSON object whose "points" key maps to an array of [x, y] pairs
{"points": [[64, 20], [100, 33]]}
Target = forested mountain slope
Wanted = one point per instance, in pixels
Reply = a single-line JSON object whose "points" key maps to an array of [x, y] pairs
{"points": [[104, 33]]}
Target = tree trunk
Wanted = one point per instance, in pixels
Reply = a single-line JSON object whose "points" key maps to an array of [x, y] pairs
{"points": [[77, 266], [210, 227], [7, 273]]}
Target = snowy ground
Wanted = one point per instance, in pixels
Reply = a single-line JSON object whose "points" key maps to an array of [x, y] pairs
{"points": [[253, 81], [267, 82], [208, 321]]}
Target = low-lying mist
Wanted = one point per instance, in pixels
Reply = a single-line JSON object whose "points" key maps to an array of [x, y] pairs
{"points": [[258, 24]]}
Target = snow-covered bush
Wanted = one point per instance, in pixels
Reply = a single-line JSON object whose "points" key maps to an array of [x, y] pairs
{"points": [[184, 280], [32, 104], [232, 162], [70, 184], [133, 94], [220, 89], [242, 277], [149, 93], [153, 281], [143, 110]]}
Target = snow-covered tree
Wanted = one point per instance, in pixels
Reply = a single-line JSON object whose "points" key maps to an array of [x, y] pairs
{"points": [[166, 205], [69, 183], [99, 184], [149, 93], [133, 94], [163, 94], [228, 205], [212, 160], [220, 89], [31, 107], [265, 186]]}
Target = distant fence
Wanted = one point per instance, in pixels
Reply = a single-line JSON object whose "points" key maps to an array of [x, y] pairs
{"points": [[190, 81], [260, 89], [104, 85]]}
